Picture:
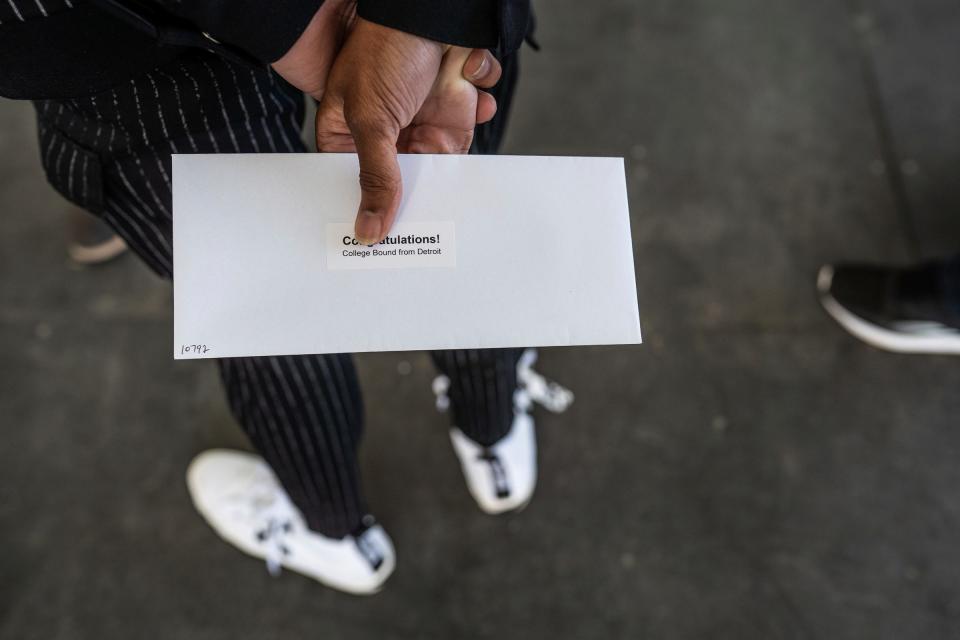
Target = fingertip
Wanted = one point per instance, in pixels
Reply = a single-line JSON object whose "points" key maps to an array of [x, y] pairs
{"points": [[486, 107], [368, 229], [482, 69]]}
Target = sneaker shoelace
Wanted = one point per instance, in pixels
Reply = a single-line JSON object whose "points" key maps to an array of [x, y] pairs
{"points": [[272, 535], [261, 502], [500, 483]]}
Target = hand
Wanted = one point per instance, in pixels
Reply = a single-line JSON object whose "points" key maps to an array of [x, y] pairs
{"points": [[391, 90], [455, 106]]}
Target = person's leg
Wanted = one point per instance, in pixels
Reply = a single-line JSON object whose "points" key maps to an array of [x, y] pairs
{"points": [[481, 390], [305, 416], [110, 154]]}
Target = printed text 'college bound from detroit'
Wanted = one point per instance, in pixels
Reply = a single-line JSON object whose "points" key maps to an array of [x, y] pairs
{"points": [[410, 245]]}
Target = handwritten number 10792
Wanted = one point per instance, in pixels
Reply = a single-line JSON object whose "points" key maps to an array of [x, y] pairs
{"points": [[198, 349]]}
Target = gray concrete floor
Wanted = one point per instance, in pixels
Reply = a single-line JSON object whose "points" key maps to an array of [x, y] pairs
{"points": [[750, 472]]}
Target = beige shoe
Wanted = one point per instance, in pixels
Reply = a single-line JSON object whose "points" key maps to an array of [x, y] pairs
{"points": [[90, 240]]}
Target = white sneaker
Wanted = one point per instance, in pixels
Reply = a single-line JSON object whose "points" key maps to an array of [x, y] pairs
{"points": [[239, 496], [502, 477]]}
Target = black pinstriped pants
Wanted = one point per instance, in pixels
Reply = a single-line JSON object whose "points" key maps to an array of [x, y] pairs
{"points": [[110, 153]]}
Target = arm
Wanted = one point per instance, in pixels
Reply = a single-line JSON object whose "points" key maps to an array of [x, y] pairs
{"points": [[264, 28], [269, 28], [390, 88]]}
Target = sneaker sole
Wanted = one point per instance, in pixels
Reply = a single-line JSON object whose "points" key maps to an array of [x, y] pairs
{"points": [[97, 254], [517, 509], [877, 336]]}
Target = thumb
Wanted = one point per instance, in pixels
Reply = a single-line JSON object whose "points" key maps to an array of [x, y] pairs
{"points": [[380, 182]]}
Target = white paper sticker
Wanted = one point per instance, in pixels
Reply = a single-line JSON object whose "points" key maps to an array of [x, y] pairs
{"points": [[408, 245]]}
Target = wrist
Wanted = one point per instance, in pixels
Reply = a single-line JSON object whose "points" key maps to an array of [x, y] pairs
{"points": [[307, 63]]}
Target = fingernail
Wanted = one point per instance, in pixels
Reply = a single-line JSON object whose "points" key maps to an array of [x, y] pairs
{"points": [[481, 69], [368, 228]]}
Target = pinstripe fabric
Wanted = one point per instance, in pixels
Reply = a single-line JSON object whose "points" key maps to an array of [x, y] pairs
{"points": [[482, 383], [22, 10], [110, 153]]}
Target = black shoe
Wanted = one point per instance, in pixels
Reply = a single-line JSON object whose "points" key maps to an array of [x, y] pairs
{"points": [[901, 310]]}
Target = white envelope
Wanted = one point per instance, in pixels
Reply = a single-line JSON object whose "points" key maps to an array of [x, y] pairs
{"points": [[487, 251]]}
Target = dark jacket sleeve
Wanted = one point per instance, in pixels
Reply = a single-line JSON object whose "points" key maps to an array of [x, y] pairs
{"points": [[268, 28], [467, 23], [264, 28], [487, 24]]}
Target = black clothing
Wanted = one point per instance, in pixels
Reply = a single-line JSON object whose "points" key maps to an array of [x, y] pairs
{"points": [[71, 48], [119, 99], [110, 153]]}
